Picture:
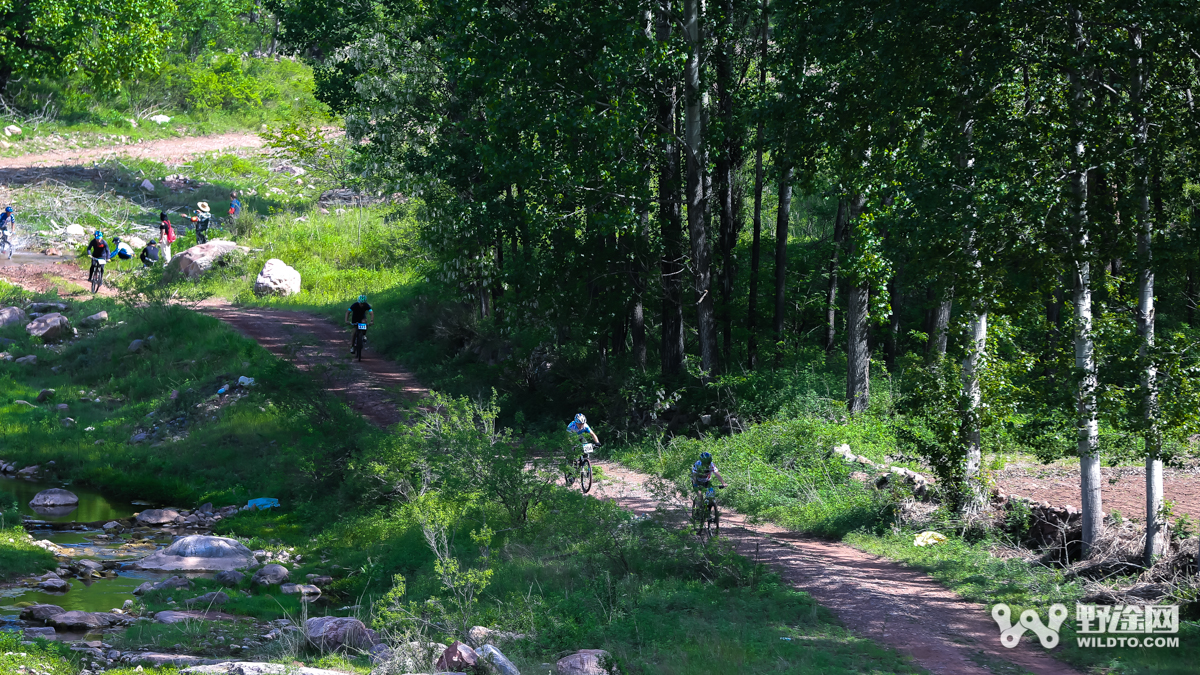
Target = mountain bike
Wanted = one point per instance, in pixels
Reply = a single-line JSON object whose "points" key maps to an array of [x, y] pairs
{"points": [[360, 338], [706, 514], [6, 243], [583, 466], [97, 274]]}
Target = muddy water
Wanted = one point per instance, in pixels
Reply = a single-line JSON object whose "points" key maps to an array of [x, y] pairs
{"points": [[20, 258], [93, 595]]}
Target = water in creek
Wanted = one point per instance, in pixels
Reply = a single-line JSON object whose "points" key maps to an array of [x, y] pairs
{"points": [[94, 595], [92, 505]]}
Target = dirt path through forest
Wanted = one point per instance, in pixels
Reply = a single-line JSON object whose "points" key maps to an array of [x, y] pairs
{"points": [[874, 597], [167, 150]]}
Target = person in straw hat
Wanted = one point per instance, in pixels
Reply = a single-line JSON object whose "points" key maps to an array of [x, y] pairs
{"points": [[201, 220]]}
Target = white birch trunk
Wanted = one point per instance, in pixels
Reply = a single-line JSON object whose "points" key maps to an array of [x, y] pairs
{"points": [[973, 396]]}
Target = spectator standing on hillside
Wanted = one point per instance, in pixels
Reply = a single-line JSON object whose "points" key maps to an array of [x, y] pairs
{"points": [[202, 220], [166, 235], [235, 204], [149, 254]]}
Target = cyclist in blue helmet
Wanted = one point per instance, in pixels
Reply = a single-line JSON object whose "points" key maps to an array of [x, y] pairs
{"points": [[358, 313], [97, 248], [8, 226], [579, 427], [703, 472]]}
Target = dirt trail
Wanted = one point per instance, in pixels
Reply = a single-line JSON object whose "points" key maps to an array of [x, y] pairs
{"points": [[373, 387], [167, 150], [875, 597]]}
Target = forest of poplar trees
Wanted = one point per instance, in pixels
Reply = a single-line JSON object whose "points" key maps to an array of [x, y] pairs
{"points": [[1001, 192]]}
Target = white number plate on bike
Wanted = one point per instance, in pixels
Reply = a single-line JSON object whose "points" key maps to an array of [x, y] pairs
{"points": [[362, 326], [587, 448]]}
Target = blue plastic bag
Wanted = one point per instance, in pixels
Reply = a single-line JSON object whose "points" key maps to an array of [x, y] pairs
{"points": [[261, 504]]}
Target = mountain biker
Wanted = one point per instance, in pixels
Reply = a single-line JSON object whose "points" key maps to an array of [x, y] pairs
{"points": [[579, 427], [202, 220], [703, 471], [149, 254], [97, 248], [358, 313], [8, 225], [121, 250], [235, 204]]}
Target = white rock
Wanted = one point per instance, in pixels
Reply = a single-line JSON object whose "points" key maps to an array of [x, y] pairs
{"points": [[11, 316], [75, 230], [196, 260], [200, 553], [277, 278], [12, 130], [147, 185], [137, 243], [54, 497], [160, 119]]}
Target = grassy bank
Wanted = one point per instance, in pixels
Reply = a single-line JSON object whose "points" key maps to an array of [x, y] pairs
{"points": [[361, 505]]}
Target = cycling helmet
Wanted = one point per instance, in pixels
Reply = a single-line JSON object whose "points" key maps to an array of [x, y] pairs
{"points": [[580, 418], [706, 458], [99, 234], [362, 298], [8, 209]]}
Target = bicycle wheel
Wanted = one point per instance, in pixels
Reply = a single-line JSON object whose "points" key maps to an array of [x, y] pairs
{"points": [[358, 344], [97, 278], [698, 518], [714, 519], [585, 475]]}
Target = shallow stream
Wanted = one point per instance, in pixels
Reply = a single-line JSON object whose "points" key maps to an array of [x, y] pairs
{"points": [[92, 595]]}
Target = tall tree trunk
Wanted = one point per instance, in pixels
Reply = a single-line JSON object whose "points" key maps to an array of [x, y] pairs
{"points": [[939, 324], [726, 166], [858, 351], [891, 344], [752, 304], [637, 314], [839, 233], [782, 221], [1085, 357], [670, 219], [697, 207], [973, 398], [1145, 308]]}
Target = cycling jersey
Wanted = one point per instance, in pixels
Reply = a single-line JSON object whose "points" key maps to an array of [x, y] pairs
{"points": [[579, 429], [702, 475], [101, 249], [358, 311], [7, 221]]}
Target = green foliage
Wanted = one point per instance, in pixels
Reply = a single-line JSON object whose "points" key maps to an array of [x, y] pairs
{"points": [[53, 658], [18, 556]]}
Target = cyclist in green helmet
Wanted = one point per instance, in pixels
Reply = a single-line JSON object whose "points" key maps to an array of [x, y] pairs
{"points": [[358, 313]]}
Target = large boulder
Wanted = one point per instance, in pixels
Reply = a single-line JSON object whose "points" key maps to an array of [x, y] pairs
{"points": [[82, 621], [41, 612], [498, 660], [196, 260], [54, 497], [270, 575], [12, 316], [50, 327], [339, 632], [157, 516], [54, 584], [199, 553], [583, 662], [277, 278], [458, 658], [75, 230]]}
